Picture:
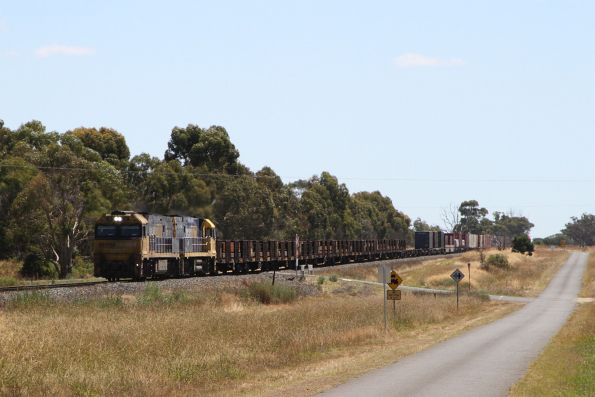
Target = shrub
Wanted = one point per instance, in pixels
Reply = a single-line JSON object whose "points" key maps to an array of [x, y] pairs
{"points": [[333, 278], [37, 267], [498, 260], [523, 244], [321, 280], [81, 267], [267, 293]]}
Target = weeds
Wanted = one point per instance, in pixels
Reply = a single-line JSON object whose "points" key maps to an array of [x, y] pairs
{"points": [[333, 278], [153, 295], [266, 293], [31, 299], [321, 280], [8, 281]]}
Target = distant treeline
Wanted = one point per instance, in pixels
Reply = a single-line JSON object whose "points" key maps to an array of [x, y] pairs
{"points": [[54, 185]]}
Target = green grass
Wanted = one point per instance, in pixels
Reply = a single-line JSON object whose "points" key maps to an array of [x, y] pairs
{"points": [[153, 295], [7, 281]]}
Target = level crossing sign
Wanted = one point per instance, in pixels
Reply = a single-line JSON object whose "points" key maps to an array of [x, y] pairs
{"points": [[457, 275], [395, 280]]}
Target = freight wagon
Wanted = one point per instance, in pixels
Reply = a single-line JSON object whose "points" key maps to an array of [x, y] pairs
{"points": [[430, 242]]}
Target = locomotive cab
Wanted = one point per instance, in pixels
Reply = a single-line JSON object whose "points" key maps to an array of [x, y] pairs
{"points": [[118, 244], [139, 245]]}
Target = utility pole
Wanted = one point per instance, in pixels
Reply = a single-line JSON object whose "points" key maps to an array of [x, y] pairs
{"points": [[297, 250]]}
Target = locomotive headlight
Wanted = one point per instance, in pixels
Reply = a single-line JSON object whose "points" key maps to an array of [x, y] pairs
{"points": [[117, 219]]}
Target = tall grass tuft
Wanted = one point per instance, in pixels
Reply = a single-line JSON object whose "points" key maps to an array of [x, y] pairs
{"points": [[271, 294], [497, 260], [153, 295], [31, 299], [7, 281]]}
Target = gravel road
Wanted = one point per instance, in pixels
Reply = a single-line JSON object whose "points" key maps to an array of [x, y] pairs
{"points": [[486, 361]]}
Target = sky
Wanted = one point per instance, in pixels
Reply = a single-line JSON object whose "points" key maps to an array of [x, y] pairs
{"points": [[429, 102]]}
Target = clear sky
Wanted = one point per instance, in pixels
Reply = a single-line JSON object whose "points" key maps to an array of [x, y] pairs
{"points": [[430, 102]]}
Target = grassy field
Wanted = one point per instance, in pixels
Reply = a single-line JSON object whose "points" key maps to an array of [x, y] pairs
{"points": [[567, 366], [216, 343], [527, 275]]}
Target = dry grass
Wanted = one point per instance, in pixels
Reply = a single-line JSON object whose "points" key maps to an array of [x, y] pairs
{"points": [[527, 275], [214, 343], [567, 366], [10, 268]]}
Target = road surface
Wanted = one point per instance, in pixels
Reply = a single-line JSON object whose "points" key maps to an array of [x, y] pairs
{"points": [[486, 361]]}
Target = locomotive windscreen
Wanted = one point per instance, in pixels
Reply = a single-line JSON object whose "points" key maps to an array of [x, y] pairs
{"points": [[112, 231]]}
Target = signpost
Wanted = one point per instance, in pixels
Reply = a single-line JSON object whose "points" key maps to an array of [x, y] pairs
{"points": [[457, 276], [384, 293], [395, 294], [469, 271]]}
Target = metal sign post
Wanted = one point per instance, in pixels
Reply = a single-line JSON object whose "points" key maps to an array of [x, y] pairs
{"points": [[384, 295], [469, 271], [395, 281], [457, 276], [457, 296]]}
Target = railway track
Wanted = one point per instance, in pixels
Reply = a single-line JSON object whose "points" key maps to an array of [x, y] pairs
{"points": [[13, 288], [39, 287]]}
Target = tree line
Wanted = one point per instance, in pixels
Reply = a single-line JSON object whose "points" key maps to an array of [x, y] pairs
{"points": [[54, 185], [579, 231]]}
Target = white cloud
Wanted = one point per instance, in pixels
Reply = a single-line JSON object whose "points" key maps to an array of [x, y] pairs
{"points": [[56, 49], [413, 60]]}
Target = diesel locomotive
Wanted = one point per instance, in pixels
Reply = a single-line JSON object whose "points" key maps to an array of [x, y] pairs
{"points": [[139, 245]]}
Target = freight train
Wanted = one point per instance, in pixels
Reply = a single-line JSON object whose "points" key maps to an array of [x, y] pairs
{"points": [[140, 245]]}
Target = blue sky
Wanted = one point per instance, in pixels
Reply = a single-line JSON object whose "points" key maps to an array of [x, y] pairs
{"points": [[430, 103]]}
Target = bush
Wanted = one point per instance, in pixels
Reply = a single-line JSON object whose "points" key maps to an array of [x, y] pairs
{"points": [[267, 293], [498, 260], [333, 278], [37, 267], [81, 267], [523, 244], [321, 280]]}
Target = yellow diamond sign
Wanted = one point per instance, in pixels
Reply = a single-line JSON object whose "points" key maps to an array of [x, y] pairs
{"points": [[395, 280]]}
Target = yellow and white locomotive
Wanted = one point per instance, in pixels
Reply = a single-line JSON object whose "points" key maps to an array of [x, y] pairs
{"points": [[139, 245]]}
